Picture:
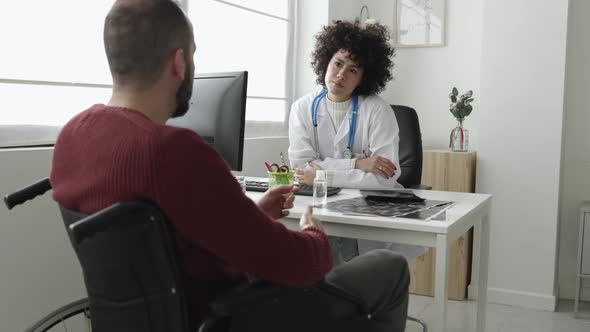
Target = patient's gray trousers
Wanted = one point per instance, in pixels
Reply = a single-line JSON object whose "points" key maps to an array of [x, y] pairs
{"points": [[382, 279], [379, 278]]}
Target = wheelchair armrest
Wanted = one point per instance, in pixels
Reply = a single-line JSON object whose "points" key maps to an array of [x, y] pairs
{"points": [[421, 186]]}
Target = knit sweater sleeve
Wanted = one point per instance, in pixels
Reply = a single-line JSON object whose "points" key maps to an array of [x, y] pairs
{"points": [[206, 206]]}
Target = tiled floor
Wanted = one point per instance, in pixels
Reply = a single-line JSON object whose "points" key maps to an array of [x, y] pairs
{"points": [[501, 318]]}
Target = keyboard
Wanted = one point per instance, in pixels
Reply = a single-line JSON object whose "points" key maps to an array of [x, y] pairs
{"points": [[304, 189]]}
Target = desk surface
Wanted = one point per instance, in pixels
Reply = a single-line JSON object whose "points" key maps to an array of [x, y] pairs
{"points": [[469, 210], [465, 204]]}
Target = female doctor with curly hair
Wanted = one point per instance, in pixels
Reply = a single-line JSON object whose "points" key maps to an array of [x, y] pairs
{"points": [[344, 127]]}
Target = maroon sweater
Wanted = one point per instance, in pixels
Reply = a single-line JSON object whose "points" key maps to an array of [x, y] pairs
{"points": [[106, 155]]}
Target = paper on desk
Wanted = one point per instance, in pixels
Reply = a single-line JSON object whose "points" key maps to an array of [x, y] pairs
{"points": [[361, 206]]}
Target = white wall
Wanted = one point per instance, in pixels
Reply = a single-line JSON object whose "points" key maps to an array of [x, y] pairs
{"points": [[519, 148], [312, 15], [343, 9], [575, 186], [424, 77], [39, 269]]}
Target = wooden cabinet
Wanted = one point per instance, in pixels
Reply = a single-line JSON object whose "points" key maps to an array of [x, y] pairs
{"points": [[448, 171]]}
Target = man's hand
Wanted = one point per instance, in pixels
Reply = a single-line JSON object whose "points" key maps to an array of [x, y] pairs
{"points": [[307, 220], [376, 165], [307, 176], [277, 201]]}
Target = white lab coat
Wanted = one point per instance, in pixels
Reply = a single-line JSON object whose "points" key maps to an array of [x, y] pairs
{"points": [[377, 134]]}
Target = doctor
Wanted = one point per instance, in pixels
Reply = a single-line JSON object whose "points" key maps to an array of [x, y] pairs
{"points": [[345, 128]]}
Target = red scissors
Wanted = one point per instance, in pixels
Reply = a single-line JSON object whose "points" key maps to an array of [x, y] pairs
{"points": [[274, 167]]}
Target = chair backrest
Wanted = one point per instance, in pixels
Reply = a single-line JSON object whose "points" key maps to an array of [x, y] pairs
{"points": [[130, 268], [410, 145]]}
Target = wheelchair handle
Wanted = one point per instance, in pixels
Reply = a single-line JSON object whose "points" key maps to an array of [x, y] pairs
{"points": [[27, 193]]}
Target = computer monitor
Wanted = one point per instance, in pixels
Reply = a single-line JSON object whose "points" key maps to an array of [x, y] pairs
{"points": [[217, 112]]}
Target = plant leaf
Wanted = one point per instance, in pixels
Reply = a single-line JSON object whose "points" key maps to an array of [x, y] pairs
{"points": [[455, 91]]}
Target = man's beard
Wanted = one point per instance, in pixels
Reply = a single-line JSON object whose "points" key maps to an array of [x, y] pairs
{"points": [[183, 95]]}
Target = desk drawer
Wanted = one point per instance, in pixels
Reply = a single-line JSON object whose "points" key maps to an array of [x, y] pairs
{"points": [[585, 268]]}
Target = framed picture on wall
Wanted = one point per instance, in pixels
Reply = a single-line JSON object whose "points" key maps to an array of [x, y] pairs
{"points": [[420, 23]]}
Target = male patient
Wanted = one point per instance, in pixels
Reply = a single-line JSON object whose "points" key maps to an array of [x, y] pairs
{"points": [[123, 151]]}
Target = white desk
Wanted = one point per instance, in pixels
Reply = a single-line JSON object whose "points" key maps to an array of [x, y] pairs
{"points": [[470, 210]]}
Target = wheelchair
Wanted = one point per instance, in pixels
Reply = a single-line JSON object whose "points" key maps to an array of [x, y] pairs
{"points": [[133, 281]]}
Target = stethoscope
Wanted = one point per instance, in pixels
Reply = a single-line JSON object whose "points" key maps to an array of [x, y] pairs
{"points": [[314, 118]]}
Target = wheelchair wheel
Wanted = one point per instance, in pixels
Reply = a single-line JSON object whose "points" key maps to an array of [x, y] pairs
{"points": [[72, 317]]}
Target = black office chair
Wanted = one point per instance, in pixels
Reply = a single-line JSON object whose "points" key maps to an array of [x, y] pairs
{"points": [[410, 147], [133, 280]]}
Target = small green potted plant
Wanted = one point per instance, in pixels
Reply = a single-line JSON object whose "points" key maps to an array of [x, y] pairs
{"points": [[460, 108]]}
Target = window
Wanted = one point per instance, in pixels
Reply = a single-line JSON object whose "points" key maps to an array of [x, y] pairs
{"points": [[54, 65], [252, 35]]}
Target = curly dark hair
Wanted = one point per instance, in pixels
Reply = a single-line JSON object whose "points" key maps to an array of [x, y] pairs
{"points": [[368, 46]]}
